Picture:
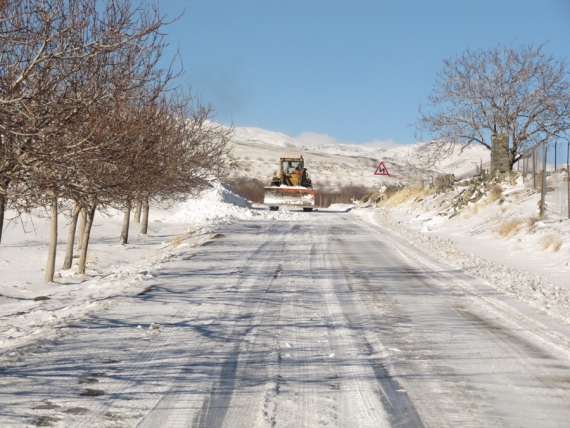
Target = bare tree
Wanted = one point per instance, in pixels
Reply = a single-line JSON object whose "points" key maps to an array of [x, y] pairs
{"points": [[183, 150], [520, 91], [59, 58], [87, 118]]}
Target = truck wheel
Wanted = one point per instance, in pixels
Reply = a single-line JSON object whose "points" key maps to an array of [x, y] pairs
{"points": [[307, 209], [273, 208]]}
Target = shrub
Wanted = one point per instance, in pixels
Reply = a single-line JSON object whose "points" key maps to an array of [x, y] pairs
{"points": [[531, 222], [551, 241], [254, 190], [325, 196], [179, 239], [509, 227], [250, 188], [495, 192]]}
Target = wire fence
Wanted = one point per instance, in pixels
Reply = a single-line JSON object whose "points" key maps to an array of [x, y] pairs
{"points": [[550, 179], [424, 183]]}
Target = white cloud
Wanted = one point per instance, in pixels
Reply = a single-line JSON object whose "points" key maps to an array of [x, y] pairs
{"points": [[382, 144], [313, 139], [310, 138]]}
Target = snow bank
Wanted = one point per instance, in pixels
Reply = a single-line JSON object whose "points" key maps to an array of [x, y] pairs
{"points": [[222, 204], [528, 286], [340, 207]]}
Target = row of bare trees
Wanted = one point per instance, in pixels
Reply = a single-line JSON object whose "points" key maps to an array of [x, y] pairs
{"points": [[89, 120]]}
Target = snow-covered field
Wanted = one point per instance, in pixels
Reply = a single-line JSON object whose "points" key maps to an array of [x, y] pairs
{"points": [[499, 240]]}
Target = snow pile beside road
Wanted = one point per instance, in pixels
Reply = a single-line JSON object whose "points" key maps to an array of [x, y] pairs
{"points": [[495, 257], [340, 207], [218, 203], [222, 204]]}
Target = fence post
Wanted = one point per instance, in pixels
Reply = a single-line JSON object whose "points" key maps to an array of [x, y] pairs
{"points": [[533, 168], [543, 190]]}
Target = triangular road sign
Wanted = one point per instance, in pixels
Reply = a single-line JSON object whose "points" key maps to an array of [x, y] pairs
{"points": [[381, 170]]}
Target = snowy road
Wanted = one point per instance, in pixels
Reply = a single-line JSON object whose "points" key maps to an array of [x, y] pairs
{"points": [[331, 322]]}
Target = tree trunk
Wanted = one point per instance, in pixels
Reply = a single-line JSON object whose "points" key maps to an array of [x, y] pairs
{"points": [[2, 210], [144, 221], [71, 237], [81, 232], [3, 203], [137, 212], [50, 267], [124, 239], [86, 234]]}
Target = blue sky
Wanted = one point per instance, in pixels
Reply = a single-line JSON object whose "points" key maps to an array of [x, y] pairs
{"points": [[342, 70]]}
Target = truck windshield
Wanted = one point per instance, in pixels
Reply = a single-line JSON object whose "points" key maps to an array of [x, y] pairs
{"points": [[290, 166]]}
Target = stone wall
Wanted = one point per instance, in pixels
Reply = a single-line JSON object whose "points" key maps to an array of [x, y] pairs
{"points": [[443, 182]]}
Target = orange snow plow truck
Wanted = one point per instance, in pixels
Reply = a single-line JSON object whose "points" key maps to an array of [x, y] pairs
{"points": [[291, 186]]}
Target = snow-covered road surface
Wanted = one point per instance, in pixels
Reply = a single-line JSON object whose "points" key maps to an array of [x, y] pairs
{"points": [[325, 322]]}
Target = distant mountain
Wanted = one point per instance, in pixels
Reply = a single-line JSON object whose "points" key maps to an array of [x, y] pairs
{"points": [[257, 151]]}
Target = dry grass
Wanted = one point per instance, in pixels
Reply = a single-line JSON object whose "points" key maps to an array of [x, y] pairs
{"points": [[91, 258], [179, 239], [421, 194], [551, 241], [396, 198], [509, 227], [495, 193], [404, 195], [150, 255], [531, 223]]}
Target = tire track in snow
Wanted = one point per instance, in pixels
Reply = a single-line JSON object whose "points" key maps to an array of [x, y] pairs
{"points": [[142, 367], [387, 289], [318, 384], [209, 409], [373, 403], [235, 374]]}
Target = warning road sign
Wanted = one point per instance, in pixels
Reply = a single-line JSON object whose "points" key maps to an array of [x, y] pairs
{"points": [[381, 170]]}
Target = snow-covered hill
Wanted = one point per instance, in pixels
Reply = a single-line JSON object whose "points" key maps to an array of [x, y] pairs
{"points": [[257, 151]]}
